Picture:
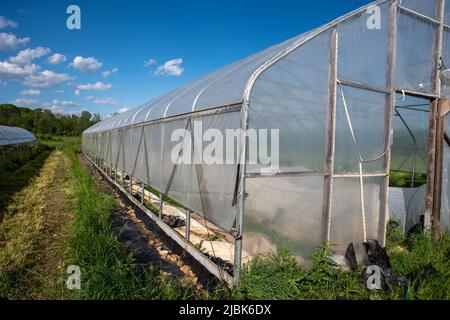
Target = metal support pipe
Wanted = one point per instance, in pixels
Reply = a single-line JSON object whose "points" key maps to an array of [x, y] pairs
{"points": [[188, 225], [331, 136], [389, 115], [241, 208], [161, 204], [142, 192], [131, 185]]}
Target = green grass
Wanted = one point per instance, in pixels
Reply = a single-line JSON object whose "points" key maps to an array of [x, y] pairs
{"points": [[11, 160], [107, 272], [403, 179], [280, 277]]}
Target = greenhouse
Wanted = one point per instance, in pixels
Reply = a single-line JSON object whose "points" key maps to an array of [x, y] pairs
{"points": [[13, 137], [344, 110]]}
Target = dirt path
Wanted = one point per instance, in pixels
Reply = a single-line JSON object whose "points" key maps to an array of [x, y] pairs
{"points": [[34, 232], [140, 235]]}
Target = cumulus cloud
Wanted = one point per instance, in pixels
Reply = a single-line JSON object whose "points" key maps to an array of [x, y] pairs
{"points": [[25, 102], [98, 86], [45, 79], [63, 103], [109, 100], [107, 73], [31, 92], [11, 71], [28, 55], [149, 62], [5, 23], [9, 42], [171, 68], [56, 58], [86, 65]]}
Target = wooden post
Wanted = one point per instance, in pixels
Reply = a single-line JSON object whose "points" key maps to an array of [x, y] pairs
{"points": [[434, 126], [443, 107]]}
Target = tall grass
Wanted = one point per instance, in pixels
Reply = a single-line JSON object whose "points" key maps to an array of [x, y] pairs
{"points": [[278, 276], [107, 272]]}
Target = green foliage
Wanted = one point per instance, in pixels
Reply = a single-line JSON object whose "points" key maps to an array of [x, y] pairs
{"points": [[410, 255], [107, 272], [43, 123], [403, 179], [281, 277], [12, 159]]}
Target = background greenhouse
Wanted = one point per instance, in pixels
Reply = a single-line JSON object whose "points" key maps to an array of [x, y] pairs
{"points": [[357, 102]]}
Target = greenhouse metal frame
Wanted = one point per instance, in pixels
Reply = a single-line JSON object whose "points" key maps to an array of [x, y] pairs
{"points": [[332, 93]]}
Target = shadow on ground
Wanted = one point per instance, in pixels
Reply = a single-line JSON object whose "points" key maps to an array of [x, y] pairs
{"points": [[12, 182]]}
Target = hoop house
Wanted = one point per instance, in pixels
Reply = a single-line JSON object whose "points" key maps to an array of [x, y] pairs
{"points": [[13, 136], [332, 94]]}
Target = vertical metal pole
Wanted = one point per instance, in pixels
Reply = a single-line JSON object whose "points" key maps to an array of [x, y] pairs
{"points": [[142, 192], [161, 204], [188, 225], [240, 216], [389, 115], [131, 185], [331, 133]]}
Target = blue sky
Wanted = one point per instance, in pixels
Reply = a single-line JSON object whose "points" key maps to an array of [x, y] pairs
{"points": [[101, 68]]}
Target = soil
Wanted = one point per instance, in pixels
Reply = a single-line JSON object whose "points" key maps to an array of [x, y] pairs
{"points": [[149, 244]]}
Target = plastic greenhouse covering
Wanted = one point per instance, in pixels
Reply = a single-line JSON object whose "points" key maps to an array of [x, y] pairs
{"points": [[15, 136], [350, 101]]}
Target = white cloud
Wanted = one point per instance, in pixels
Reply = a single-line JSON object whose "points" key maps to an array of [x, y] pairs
{"points": [[123, 110], [11, 71], [9, 41], [86, 65], [59, 110], [45, 79], [56, 58], [25, 102], [28, 55], [149, 62], [98, 86], [64, 103], [107, 73], [110, 101], [30, 92], [171, 68], [5, 23]]}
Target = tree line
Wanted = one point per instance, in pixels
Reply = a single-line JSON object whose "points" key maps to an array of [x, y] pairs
{"points": [[43, 122]]}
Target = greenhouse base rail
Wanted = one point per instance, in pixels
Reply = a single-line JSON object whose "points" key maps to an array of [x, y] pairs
{"points": [[173, 234]]}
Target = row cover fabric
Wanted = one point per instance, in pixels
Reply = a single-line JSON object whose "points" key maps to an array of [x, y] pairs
{"points": [[14, 135]]}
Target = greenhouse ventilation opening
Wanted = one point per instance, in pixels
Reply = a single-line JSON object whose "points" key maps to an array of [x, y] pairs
{"points": [[353, 100]]}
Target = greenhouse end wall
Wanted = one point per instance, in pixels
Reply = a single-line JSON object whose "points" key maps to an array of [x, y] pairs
{"points": [[332, 94]]}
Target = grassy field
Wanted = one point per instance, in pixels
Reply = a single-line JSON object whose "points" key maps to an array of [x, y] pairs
{"points": [[59, 216], [108, 272]]}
